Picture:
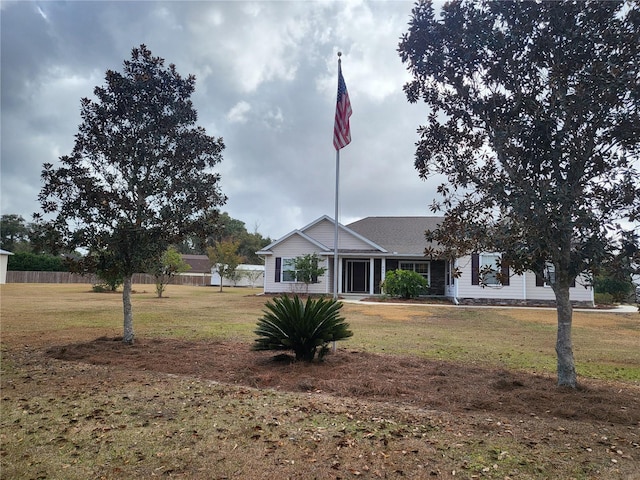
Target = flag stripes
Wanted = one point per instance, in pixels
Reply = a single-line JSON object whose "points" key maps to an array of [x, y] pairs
{"points": [[341, 130]]}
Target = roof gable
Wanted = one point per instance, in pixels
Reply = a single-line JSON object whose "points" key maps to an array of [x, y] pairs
{"points": [[267, 250], [310, 231]]}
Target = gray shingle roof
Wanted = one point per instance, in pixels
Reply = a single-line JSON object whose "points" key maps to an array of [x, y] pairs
{"points": [[199, 263], [404, 235]]}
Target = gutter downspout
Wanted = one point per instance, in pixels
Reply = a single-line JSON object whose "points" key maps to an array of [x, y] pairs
{"points": [[455, 284]]}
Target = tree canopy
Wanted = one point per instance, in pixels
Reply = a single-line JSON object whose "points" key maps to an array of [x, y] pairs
{"points": [[140, 176], [535, 123], [229, 229]]}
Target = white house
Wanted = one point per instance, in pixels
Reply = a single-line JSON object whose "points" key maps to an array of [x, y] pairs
{"points": [[370, 247], [4, 259]]}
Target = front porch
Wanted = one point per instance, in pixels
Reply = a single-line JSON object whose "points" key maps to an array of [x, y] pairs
{"points": [[362, 276]]}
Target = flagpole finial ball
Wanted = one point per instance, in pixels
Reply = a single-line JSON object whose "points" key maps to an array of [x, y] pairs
{"points": [[339, 54]]}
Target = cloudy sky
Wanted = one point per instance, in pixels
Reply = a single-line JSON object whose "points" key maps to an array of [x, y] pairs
{"points": [[266, 79]]}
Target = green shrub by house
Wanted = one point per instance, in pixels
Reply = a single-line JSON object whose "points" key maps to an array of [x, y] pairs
{"points": [[404, 283], [306, 328]]}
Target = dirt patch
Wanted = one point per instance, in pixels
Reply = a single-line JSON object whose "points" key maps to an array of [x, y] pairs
{"points": [[426, 384]]}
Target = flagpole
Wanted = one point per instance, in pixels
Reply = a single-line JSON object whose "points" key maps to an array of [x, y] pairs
{"points": [[341, 138], [335, 217], [335, 233]]}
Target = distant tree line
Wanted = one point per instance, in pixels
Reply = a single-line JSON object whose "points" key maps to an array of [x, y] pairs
{"points": [[35, 249]]}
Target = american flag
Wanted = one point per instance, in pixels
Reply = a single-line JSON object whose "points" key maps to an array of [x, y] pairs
{"points": [[341, 131]]}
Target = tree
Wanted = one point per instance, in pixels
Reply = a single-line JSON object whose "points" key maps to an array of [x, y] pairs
{"points": [[307, 269], [224, 256], [166, 267], [227, 228], [14, 233], [140, 176], [535, 124]]}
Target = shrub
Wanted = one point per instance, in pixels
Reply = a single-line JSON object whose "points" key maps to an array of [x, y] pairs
{"points": [[603, 298], [619, 289], [405, 284], [306, 328], [34, 262]]}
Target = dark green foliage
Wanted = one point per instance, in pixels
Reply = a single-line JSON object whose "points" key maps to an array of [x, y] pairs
{"points": [[13, 232], [31, 262], [532, 117], [619, 289], [306, 328], [603, 298], [405, 284], [140, 176]]}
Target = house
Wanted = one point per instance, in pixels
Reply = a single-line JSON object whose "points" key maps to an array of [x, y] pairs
{"points": [[4, 259], [370, 247], [200, 271]]}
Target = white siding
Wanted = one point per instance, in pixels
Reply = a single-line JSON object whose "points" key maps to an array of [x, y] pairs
{"points": [[294, 246], [4, 259], [324, 232], [521, 287], [256, 280]]}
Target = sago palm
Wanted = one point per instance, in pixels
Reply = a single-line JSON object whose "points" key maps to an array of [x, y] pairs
{"points": [[306, 328]]}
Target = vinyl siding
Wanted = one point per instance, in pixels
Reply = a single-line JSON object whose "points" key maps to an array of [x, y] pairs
{"points": [[294, 246], [521, 287], [324, 232]]}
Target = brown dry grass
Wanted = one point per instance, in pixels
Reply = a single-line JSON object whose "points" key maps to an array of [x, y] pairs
{"points": [[77, 403]]}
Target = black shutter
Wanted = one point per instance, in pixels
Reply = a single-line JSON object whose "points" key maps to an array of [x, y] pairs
{"points": [[278, 268], [475, 269], [504, 273], [539, 281], [314, 278]]}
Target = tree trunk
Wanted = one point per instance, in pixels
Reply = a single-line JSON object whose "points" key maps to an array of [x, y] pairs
{"points": [[564, 346], [128, 334]]}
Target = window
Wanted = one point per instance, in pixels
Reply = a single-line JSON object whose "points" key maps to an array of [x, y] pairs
{"points": [[419, 267], [484, 270], [489, 268], [551, 275], [289, 273]]}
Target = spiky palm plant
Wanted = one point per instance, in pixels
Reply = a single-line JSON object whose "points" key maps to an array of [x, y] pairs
{"points": [[306, 328]]}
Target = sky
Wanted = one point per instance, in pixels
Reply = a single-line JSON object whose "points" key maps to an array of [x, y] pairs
{"points": [[266, 82]]}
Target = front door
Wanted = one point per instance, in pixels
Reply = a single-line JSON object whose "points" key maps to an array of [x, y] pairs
{"points": [[357, 280]]}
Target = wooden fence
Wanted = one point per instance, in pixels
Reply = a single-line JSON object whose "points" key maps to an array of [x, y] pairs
{"points": [[66, 277]]}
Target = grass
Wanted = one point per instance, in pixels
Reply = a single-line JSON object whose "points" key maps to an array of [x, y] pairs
{"points": [[606, 345], [69, 420]]}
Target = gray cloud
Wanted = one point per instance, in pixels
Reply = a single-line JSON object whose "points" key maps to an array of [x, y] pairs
{"points": [[266, 82]]}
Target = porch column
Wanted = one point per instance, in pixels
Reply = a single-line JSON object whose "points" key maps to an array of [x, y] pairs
{"points": [[339, 273], [383, 270], [372, 267]]}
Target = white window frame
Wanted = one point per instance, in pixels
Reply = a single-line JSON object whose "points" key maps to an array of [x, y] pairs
{"points": [[551, 273], [413, 264], [286, 268]]}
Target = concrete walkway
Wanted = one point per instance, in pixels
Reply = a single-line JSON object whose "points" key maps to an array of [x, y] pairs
{"points": [[360, 299]]}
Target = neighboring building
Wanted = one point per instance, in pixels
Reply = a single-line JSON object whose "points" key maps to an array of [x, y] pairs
{"points": [[246, 276], [4, 259], [200, 267], [370, 247]]}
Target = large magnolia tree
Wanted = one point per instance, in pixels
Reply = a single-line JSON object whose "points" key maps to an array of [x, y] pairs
{"points": [[140, 176], [534, 121]]}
